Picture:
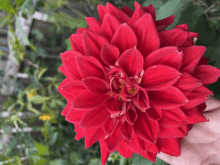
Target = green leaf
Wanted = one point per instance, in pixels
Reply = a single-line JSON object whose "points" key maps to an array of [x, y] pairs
{"points": [[54, 138], [172, 7], [75, 158], [23, 35], [68, 44], [4, 20], [95, 161], [58, 162], [42, 161], [41, 149], [30, 108], [38, 99], [19, 2], [140, 160], [7, 6], [159, 162], [42, 71]]}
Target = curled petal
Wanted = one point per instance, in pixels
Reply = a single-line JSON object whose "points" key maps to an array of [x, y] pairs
{"points": [[171, 146], [92, 44], [154, 113], [207, 74], [109, 126], [191, 57], [114, 141], [88, 101], [104, 152], [174, 37], [127, 10], [139, 12], [168, 98], [93, 23], [89, 66], [162, 24], [125, 151], [66, 109], [159, 77], [147, 35], [169, 56], [69, 62], [120, 15], [172, 118], [109, 54], [127, 131], [76, 43], [145, 128], [109, 26], [191, 40], [131, 61], [96, 85], [131, 115], [124, 38], [150, 9], [142, 100], [74, 116], [93, 135], [95, 118], [197, 96], [194, 116]]}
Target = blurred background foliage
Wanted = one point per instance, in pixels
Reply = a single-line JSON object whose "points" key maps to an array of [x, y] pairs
{"points": [[51, 142]]}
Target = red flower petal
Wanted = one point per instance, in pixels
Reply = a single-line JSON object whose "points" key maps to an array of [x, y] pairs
{"points": [[191, 57], [159, 77], [147, 35], [81, 30], [153, 148], [142, 100], [168, 98], [145, 128], [92, 136], [115, 140], [189, 41], [125, 151], [92, 44], [150, 9], [131, 115], [109, 26], [155, 113], [170, 132], [101, 11], [197, 96], [74, 88], [95, 118], [76, 43], [120, 15], [172, 118], [93, 23], [162, 24], [96, 85], [139, 12], [89, 66], [127, 10], [194, 116], [174, 37], [88, 101], [186, 82], [131, 61], [171, 146], [63, 70], [207, 74], [104, 152], [109, 54], [203, 61], [66, 109], [136, 144], [127, 131], [109, 126], [124, 38], [74, 116], [169, 56], [149, 155], [79, 135], [69, 62]]}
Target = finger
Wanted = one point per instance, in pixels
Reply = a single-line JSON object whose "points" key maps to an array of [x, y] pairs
{"points": [[212, 104], [165, 157], [213, 160]]}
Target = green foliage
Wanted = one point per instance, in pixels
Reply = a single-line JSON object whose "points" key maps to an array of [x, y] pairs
{"points": [[7, 6]]}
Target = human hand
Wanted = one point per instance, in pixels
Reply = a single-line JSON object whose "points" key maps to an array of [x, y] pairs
{"points": [[202, 144]]}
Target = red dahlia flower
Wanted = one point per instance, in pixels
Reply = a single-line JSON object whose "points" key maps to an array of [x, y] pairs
{"points": [[133, 86]]}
